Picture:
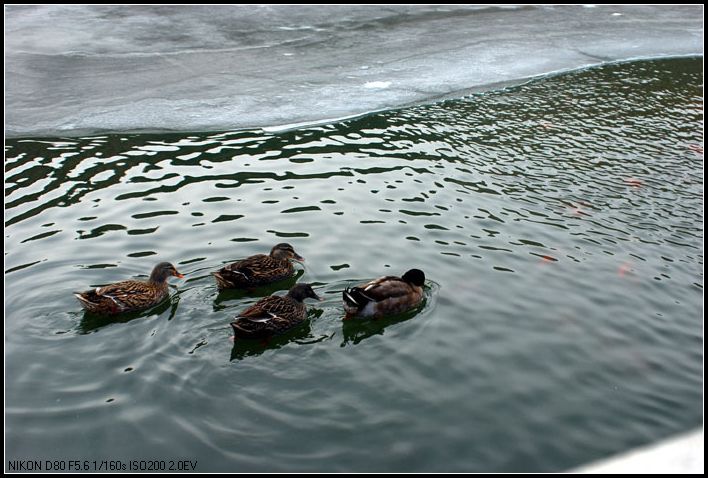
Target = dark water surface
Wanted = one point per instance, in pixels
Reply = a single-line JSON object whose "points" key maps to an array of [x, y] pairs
{"points": [[560, 224]]}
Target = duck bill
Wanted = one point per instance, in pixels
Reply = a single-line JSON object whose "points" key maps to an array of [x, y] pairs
{"points": [[298, 258], [180, 275]]}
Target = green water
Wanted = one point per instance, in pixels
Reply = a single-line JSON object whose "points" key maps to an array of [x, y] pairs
{"points": [[560, 225]]}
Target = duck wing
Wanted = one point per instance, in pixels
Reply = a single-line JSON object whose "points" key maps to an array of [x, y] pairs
{"points": [[268, 316], [274, 309], [383, 296], [253, 270], [387, 289], [123, 296], [256, 267], [133, 293], [383, 288]]}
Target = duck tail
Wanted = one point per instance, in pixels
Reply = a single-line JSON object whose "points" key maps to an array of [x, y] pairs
{"points": [[355, 298], [86, 303], [221, 281], [238, 331], [245, 329]]}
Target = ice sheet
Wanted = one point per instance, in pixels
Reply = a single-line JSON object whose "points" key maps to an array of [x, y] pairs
{"points": [[83, 69]]}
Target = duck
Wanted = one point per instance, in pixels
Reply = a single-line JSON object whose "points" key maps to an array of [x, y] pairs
{"points": [[129, 295], [388, 295], [259, 270], [274, 315]]}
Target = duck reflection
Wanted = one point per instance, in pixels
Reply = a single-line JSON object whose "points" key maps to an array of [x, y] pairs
{"points": [[91, 322], [301, 335], [355, 330]]}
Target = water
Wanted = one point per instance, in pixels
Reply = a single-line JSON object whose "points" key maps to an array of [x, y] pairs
{"points": [[560, 224]]}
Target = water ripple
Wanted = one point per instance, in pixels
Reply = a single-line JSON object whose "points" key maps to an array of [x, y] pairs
{"points": [[559, 224]]}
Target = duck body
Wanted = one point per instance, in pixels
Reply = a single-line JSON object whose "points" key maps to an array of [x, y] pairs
{"points": [[274, 315], [129, 295], [259, 270], [388, 295]]}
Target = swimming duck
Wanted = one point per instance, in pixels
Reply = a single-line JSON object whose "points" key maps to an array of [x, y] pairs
{"points": [[129, 295], [260, 269], [274, 314], [385, 296]]}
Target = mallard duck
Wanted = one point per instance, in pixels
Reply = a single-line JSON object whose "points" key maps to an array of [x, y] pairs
{"points": [[385, 296], [274, 314], [260, 269], [129, 295]]}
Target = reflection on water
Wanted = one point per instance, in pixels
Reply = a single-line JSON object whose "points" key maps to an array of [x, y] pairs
{"points": [[559, 222], [91, 322], [248, 348], [355, 330]]}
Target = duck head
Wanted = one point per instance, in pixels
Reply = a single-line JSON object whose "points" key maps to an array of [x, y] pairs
{"points": [[415, 277], [162, 271], [300, 292], [285, 251]]}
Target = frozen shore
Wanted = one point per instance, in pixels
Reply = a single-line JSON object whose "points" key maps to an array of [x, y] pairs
{"points": [[74, 70]]}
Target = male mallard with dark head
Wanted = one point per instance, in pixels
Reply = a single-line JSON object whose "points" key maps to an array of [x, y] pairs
{"points": [[274, 314], [387, 295], [259, 270], [129, 295]]}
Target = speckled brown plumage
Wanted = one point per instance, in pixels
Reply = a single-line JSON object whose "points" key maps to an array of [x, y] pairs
{"points": [[273, 315], [259, 270], [384, 296], [129, 295]]}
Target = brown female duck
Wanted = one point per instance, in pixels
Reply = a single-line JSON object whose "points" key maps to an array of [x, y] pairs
{"points": [[385, 296], [260, 269], [129, 295], [274, 315]]}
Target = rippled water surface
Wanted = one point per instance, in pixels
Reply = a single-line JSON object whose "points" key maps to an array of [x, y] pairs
{"points": [[560, 224]]}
